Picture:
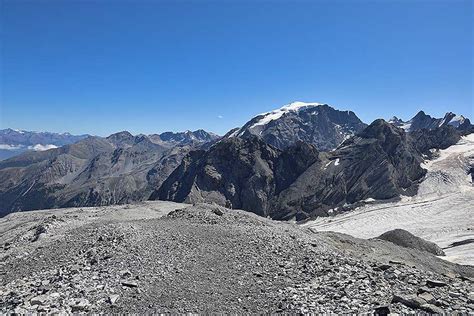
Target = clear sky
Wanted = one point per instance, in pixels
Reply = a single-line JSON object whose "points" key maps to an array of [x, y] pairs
{"points": [[102, 66]]}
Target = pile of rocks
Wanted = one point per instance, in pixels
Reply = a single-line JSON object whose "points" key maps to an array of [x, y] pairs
{"points": [[209, 259]]}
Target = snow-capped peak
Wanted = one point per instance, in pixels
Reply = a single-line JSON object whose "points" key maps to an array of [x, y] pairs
{"points": [[276, 114]]}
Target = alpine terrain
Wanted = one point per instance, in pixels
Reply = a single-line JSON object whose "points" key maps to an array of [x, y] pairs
{"points": [[14, 142], [256, 221], [314, 123], [121, 168]]}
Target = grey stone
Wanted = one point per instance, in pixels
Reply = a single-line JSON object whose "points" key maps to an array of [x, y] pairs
{"points": [[129, 284], [408, 300], [435, 283], [39, 300], [113, 298]]}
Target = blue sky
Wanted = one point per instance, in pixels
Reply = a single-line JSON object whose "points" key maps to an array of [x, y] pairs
{"points": [[102, 66]]}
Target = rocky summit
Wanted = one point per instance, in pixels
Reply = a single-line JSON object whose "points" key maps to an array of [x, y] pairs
{"points": [[163, 257], [314, 123]]}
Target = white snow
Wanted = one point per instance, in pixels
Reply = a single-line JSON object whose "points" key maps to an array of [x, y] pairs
{"points": [[276, 114], [442, 211], [406, 126], [457, 120], [402, 124], [336, 163], [40, 147]]}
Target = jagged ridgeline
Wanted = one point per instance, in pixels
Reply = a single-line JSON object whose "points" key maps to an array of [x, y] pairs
{"points": [[121, 168], [300, 161]]}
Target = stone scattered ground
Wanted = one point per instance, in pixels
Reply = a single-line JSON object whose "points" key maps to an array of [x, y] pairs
{"points": [[162, 257]]}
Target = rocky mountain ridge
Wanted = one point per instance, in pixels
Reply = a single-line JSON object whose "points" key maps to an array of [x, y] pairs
{"points": [[95, 171], [271, 166], [14, 142], [423, 121], [381, 162]]}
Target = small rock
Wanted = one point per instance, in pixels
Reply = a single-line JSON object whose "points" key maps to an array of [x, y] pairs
{"points": [[408, 300], [129, 284], [427, 297], [470, 297], [218, 212], [39, 300], [432, 309], [435, 283], [80, 304], [125, 273], [39, 230], [454, 294], [423, 289], [384, 267], [382, 310], [113, 298]]}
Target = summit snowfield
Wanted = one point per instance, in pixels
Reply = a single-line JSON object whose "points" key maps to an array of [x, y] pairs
{"points": [[440, 212], [276, 114], [314, 123]]}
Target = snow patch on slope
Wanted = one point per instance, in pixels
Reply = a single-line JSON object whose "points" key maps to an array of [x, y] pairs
{"points": [[457, 121]]}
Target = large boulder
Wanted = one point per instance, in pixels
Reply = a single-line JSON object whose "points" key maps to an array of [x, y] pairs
{"points": [[406, 239]]}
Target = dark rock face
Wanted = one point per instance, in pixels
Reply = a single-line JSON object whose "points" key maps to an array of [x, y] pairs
{"points": [[406, 239], [380, 163], [316, 124], [121, 168], [439, 138], [239, 173], [188, 137], [423, 121]]}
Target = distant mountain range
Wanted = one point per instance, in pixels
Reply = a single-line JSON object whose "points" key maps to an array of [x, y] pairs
{"points": [[424, 121], [300, 161], [94, 171], [14, 142]]}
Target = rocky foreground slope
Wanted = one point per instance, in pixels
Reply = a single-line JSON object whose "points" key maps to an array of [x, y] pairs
{"points": [[168, 257]]}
